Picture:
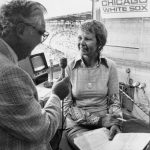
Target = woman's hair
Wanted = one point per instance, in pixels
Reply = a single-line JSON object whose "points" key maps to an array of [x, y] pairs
{"points": [[17, 11], [96, 28]]}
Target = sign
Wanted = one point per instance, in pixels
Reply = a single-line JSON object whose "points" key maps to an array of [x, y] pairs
{"points": [[124, 8]]}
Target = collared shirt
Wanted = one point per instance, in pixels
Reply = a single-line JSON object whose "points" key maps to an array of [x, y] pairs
{"points": [[11, 54], [79, 61], [91, 87]]}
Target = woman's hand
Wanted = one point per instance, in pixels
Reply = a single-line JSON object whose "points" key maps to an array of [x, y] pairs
{"points": [[115, 110], [109, 120], [113, 131]]}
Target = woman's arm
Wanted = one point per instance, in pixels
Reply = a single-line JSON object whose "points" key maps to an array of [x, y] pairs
{"points": [[114, 105], [113, 91], [82, 117]]}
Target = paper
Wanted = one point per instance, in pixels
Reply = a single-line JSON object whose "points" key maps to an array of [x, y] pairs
{"points": [[130, 141], [93, 140], [98, 140]]}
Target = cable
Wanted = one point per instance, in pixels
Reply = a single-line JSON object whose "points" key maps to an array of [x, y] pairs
{"points": [[62, 111]]}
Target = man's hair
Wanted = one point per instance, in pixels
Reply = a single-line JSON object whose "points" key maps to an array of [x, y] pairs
{"points": [[18, 11], [96, 28]]}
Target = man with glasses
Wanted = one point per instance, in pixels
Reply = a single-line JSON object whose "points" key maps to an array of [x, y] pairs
{"points": [[24, 125], [44, 33]]}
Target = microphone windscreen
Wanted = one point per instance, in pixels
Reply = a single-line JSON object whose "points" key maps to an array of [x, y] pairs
{"points": [[63, 62]]}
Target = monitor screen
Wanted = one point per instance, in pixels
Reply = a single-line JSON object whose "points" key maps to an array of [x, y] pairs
{"points": [[38, 62]]}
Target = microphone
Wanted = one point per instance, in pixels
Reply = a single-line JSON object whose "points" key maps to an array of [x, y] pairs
{"points": [[63, 64]]}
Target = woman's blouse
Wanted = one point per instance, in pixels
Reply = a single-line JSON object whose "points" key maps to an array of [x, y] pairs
{"points": [[91, 89]]}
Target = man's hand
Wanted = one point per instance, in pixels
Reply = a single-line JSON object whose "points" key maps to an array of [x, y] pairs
{"points": [[61, 88], [113, 131]]}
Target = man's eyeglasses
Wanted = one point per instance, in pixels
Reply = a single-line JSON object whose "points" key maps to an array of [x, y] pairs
{"points": [[44, 34]]}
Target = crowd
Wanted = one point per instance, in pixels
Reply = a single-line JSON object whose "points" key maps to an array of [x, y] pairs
{"points": [[61, 42]]}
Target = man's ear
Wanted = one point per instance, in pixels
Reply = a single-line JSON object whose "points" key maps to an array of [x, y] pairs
{"points": [[20, 29]]}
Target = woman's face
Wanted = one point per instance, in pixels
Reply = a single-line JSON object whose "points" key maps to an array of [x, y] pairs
{"points": [[87, 43]]}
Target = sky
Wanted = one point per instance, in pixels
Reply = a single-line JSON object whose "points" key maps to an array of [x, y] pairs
{"points": [[63, 7]]}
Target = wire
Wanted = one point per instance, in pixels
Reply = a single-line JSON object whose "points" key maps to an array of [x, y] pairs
{"points": [[62, 111]]}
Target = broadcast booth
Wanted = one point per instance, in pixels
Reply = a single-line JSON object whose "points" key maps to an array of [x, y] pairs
{"points": [[36, 66]]}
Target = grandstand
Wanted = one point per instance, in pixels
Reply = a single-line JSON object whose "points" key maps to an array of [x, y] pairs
{"points": [[62, 40], [49, 53], [71, 18]]}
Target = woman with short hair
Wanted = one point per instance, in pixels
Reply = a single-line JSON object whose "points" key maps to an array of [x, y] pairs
{"points": [[94, 84]]}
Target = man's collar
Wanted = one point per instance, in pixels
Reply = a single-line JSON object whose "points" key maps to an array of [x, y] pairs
{"points": [[10, 53]]}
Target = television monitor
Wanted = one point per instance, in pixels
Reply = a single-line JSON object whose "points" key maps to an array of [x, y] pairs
{"points": [[38, 63], [36, 66]]}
